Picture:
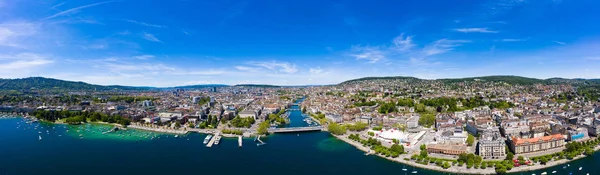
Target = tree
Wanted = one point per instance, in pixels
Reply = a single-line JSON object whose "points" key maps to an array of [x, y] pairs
{"points": [[510, 156], [470, 140], [397, 148], [336, 129], [423, 147], [177, 125], [543, 160], [423, 153], [427, 120], [263, 128]]}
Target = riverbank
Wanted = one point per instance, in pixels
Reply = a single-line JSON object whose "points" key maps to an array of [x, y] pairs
{"points": [[456, 169]]}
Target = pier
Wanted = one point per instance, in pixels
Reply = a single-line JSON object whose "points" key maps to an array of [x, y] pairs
{"points": [[212, 140], [296, 129]]}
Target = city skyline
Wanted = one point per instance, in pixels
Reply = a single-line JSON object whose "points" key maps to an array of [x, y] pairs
{"points": [[167, 44]]}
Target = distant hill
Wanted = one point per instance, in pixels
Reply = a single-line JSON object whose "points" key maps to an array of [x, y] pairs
{"points": [[257, 85], [42, 83], [498, 78], [201, 86], [379, 78]]}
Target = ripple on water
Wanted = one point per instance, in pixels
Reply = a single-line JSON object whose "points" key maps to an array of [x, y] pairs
{"points": [[332, 145]]}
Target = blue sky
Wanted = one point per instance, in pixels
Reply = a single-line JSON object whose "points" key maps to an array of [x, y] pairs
{"points": [[184, 42]]}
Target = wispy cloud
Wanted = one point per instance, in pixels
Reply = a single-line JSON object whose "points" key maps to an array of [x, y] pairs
{"points": [[12, 34], [143, 57], [150, 37], [76, 9], [58, 5], [403, 43], [371, 54], [283, 67], [144, 24], [475, 30], [558, 42], [442, 46], [593, 58], [247, 69], [22, 62], [317, 70]]}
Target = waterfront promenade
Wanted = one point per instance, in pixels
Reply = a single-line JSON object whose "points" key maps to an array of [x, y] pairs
{"points": [[457, 169]]}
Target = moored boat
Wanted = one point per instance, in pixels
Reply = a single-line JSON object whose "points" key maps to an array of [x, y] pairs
{"points": [[207, 139]]}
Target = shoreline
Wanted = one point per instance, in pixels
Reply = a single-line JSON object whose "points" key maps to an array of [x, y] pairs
{"points": [[461, 169]]}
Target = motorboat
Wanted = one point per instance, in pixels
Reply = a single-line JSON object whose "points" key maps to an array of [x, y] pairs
{"points": [[580, 168], [414, 172], [553, 172], [544, 173], [207, 139]]}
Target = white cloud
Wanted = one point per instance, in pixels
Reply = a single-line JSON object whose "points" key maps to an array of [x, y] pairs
{"points": [[403, 43], [75, 10], [150, 37], [12, 34], [276, 66], [558, 42], [315, 70], [97, 46], [22, 64], [442, 46], [247, 69], [144, 24], [371, 54], [475, 30], [143, 57]]}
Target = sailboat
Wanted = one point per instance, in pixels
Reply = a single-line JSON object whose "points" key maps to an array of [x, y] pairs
{"points": [[404, 168], [40, 137]]}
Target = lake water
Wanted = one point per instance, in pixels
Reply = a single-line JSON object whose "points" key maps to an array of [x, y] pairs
{"points": [[138, 152]]}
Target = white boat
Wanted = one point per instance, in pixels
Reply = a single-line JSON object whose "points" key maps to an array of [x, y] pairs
{"points": [[176, 136], [568, 165], [207, 139], [553, 172], [217, 140], [580, 168], [240, 141], [544, 173], [404, 169], [533, 174], [414, 172], [40, 137]]}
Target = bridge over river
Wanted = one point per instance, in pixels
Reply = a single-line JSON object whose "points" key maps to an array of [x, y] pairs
{"points": [[296, 129]]}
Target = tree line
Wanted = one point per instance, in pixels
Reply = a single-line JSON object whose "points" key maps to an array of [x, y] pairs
{"points": [[76, 117]]}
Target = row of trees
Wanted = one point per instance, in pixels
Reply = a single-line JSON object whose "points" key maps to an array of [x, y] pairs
{"points": [[449, 104], [72, 117], [394, 151], [232, 131], [211, 122]]}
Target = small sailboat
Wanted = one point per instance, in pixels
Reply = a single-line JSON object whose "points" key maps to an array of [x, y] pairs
{"points": [[404, 168], [40, 137]]}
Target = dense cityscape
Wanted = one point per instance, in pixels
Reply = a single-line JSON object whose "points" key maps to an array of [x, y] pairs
{"points": [[484, 125]]}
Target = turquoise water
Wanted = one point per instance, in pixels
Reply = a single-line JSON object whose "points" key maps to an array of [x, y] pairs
{"points": [[61, 152]]}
